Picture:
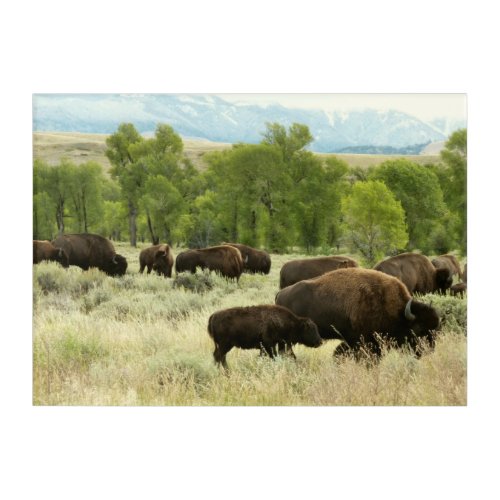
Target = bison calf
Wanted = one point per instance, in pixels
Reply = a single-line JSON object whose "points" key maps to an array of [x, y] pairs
{"points": [[260, 327], [158, 258]]}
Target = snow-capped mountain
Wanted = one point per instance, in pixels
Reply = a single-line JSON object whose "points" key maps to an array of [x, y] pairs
{"points": [[210, 117]]}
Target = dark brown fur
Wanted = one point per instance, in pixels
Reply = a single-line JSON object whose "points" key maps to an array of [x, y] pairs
{"points": [[260, 327], [356, 304], [458, 289], [304, 269], [91, 250], [158, 258], [254, 261], [417, 273], [222, 259], [449, 262], [45, 250]]}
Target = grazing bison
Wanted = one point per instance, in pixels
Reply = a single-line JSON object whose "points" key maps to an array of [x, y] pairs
{"points": [[158, 258], [449, 262], [258, 327], [91, 250], [304, 269], [356, 304], [254, 261], [417, 273], [224, 260], [45, 250], [458, 289]]}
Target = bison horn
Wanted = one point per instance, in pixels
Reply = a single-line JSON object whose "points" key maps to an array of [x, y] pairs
{"points": [[114, 260], [408, 314], [60, 252]]}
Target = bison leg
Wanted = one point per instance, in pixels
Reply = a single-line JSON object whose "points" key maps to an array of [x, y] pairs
{"points": [[220, 356], [270, 350], [342, 349], [285, 349]]}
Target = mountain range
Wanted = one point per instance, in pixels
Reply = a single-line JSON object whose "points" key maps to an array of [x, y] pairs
{"points": [[213, 118]]}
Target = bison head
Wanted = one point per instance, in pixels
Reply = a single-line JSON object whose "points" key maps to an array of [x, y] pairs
{"points": [[62, 257], [444, 280], [422, 319], [116, 266], [161, 264], [309, 335]]}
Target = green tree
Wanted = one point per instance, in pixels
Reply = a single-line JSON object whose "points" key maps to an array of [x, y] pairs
{"points": [[86, 195], [374, 220], [417, 188], [454, 156], [129, 174]]}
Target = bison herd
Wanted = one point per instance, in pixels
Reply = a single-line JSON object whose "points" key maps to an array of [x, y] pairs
{"points": [[319, 298]]}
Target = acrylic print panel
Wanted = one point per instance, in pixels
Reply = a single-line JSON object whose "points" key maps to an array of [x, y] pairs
{"points": [[287, 177]]}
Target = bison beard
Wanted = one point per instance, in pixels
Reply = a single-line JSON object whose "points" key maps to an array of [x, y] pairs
{"points": [[355, 305], [260, 327]]}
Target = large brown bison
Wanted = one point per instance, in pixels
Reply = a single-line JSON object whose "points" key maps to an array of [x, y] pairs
{"points": [[254, 261], [260, 327], [45, 250], [304, 269], [91, 250], [158, 258], [356, 304], [223, 259], [449, 262], [417, 273]]}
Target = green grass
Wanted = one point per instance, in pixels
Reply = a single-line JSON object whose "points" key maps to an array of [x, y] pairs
{"points": [[140, 340]]}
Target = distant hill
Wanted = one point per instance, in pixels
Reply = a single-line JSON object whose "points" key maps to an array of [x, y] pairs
{"points": [[51, 147], [434, 148], [214, 119]]}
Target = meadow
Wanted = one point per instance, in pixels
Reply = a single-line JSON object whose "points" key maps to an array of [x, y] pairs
{"points": [[142, 340]]}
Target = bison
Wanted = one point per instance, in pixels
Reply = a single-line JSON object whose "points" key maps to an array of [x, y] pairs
{"points": [[254, 261], [356, 305], [260, 327], [223, 259], [158, 258], [458, 289], [304, 269], [450, 262], [45, 250], [91, 250], [417, 273]]}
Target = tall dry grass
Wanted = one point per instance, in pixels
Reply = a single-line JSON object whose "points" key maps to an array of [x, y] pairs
{"points": [[141, 340]]}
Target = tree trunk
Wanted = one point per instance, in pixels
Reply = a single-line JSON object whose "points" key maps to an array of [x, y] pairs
{"points": [[60, 217], [132, 217], [154, 239]]}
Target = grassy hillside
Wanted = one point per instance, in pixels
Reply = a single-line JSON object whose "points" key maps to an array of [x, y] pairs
{"points": [[139, 340], [80, 148]]}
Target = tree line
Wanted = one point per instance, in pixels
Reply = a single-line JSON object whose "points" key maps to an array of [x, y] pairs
{"points": [[275, 194]]}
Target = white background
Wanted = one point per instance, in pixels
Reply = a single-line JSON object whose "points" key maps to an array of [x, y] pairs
{"points": [[227, 47]]}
